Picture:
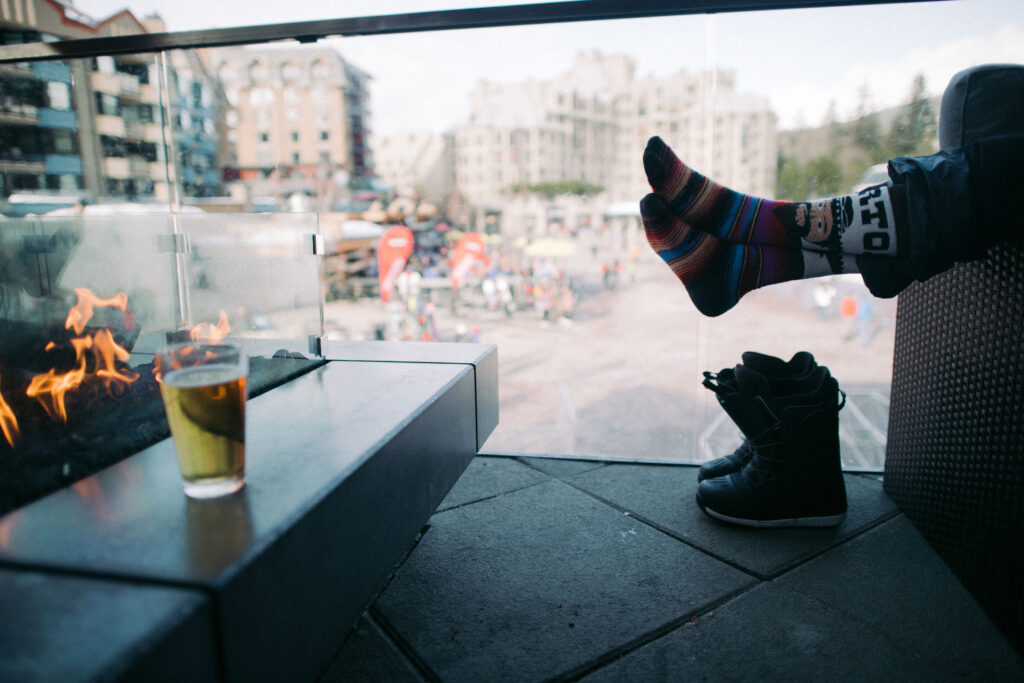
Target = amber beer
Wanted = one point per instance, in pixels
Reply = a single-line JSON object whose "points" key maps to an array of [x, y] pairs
{"points": [[204, 395]]}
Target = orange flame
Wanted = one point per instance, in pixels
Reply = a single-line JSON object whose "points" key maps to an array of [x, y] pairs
{"points": [[209, 332], [106, 351], [51, 388], [8, 422], [81, 312]]}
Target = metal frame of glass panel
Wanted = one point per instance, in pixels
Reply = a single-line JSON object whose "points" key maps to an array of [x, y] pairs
{"points": [[477, 17]]}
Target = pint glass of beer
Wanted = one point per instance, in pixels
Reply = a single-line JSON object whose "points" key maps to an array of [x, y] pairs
{"points": [[203, 388]]}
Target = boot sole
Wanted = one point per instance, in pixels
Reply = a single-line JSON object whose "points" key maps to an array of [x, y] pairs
{"points": [[821, 522]]}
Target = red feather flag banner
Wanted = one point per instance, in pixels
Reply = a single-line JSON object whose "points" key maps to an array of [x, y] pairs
{"points": [[468, 250], [393, 252]]}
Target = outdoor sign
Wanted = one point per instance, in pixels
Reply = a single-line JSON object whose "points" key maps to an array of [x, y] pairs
{"points": [[468, 250], [392, 253]]}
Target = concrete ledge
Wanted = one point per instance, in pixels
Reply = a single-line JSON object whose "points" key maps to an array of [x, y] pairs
{"points": [[344, 467], [66, 628], [483, 358]]}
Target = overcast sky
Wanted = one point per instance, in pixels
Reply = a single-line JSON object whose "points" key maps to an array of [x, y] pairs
{"points": [[801, 60]]}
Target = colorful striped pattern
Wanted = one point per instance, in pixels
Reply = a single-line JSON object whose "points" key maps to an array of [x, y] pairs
{"points": [[715, 273], [710, 207]]}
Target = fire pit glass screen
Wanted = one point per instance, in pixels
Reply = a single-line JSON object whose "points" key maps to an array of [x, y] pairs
{"points": [[176, 271], [86, 299]]}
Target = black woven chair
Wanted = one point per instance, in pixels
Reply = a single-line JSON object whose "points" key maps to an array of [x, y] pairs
{"points": [[954, 461]]}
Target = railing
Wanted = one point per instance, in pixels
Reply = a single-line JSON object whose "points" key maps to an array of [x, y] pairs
{"points": [[487, 17]]}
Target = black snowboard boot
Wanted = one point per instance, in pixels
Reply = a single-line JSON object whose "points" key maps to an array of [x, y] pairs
{"points": [[785, 378], [794, 477]]}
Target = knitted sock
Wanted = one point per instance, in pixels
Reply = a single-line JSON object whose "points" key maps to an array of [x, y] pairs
{"points": [[717, 273], [860, 223]]}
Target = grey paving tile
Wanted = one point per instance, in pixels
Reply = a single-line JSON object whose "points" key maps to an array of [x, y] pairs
{"points": [[666, 496], [369, 656], [490, 476], [540, 581], [892, 579], [563, 467], [769, 634]]}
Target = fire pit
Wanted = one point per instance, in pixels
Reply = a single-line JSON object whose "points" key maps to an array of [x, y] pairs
{"points": [[346, 457], [84, 301]]}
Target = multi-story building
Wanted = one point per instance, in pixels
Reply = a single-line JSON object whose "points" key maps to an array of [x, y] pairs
{"points": [[418, 163], [39, 117], [591, 124], [730, 136], [298, 119], [93, 128]]}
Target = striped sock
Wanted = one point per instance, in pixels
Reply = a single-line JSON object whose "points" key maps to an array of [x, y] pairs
{"points": [[717, 273], [852, 224]]}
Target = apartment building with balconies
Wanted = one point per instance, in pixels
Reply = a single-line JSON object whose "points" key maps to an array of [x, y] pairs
{"points": [[591, 123], [92, 128], [298, 119]]}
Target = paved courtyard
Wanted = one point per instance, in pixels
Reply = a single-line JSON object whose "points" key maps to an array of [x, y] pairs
{"points": [[620, 379], [536, 569]]}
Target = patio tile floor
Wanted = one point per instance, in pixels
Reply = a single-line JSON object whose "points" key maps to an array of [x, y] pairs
{"points": [[555, 569]]}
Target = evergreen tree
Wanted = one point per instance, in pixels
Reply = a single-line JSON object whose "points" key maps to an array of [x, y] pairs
{"points": [[836, 131], [866, 129], [790, 179], [824, 176], [913, 130]]}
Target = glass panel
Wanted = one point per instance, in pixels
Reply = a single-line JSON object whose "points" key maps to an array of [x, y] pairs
{"points": [[260, 271], [851, 87], [51, 263], [545, 126], [531, 138]]}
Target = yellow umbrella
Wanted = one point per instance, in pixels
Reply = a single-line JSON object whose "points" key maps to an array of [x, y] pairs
{"points": [[550, 247]]}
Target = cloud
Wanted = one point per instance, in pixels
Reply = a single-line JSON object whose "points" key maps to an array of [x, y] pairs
{"points": [[889, 82]]}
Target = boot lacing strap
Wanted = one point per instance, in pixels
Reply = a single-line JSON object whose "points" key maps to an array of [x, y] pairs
{"points": [[762, 466], [710, 381]]}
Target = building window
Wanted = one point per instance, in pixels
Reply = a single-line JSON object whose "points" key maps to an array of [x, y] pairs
{"points": [[63, 182], [264, 137], [107, 105], [320, 70], [261, 96], [290, 71], [292, 114], [111, 146], [295, 136], [295, 157], [325, 135], [62, 142], [105, 65], [258, 71], [59, 95]]}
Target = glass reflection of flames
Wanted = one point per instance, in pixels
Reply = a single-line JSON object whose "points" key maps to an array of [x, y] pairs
{"points": [[203, 333]]}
